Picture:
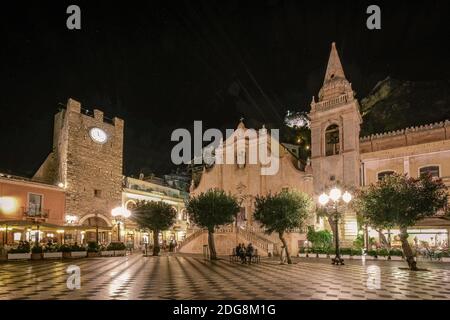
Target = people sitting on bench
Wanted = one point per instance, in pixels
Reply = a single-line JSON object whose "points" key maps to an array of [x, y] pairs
{"points": [[250, 252], [242, 252]]}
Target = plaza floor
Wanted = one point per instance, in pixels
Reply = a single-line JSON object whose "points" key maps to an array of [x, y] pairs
{"points": [[190, 277]]}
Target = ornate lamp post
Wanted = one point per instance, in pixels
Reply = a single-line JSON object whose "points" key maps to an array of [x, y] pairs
{"points": [[119, 213], [331, 202]]}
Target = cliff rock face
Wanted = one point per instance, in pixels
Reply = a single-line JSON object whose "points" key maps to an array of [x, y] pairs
{"points": [[396, 104]]}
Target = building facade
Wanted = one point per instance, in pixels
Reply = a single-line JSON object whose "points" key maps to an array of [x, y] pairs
{"points": [[245, 181], [30, 210], [339, 156], [143, 189]]}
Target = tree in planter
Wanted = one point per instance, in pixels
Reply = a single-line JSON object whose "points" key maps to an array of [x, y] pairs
{"points": [[281, 212], [154, 216], [210, 210], [401, 201]]}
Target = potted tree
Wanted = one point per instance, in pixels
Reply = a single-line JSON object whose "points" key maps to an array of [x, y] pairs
{"points": [[52, 251], [371, 255], [93, 249], [36, 252], [383, 254], [22, 252], [302, 252], [73, 251], [105, 252], [445, 256], [118, 248], [396, 254], [356, 254], [77, 251]]}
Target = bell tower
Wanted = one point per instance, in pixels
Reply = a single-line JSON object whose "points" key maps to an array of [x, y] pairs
{"points": [[335, 127]]}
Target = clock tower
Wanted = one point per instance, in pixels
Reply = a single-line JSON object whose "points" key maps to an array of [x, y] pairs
{"points": [[87, 161]]}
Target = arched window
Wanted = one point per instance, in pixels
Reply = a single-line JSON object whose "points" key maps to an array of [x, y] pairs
{"points": [[332, 140], [383, 174], [431, 170], [184, 214]]}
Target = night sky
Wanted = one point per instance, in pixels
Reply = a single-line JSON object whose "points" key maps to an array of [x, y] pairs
{"points": [[160, 65]]}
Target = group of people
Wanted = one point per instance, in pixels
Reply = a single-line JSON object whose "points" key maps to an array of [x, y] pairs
{"points": [[244, 252]]}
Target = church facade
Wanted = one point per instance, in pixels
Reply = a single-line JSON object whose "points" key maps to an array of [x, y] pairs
{"points": [[340, 156]]}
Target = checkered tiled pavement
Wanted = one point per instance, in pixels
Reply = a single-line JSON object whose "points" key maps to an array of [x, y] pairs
{"points": [[190, 277]]}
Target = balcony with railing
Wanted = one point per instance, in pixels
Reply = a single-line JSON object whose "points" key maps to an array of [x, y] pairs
{"points": [[35, 213]]}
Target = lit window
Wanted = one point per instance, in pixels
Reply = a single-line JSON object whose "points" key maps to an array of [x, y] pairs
{"points": [[17, 236], [332, 140], [34, 204], [430, 170], [384, 174]]}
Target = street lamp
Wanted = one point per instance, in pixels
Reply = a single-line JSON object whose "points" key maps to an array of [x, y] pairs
{"points": [[119, 213], [335, 196]]}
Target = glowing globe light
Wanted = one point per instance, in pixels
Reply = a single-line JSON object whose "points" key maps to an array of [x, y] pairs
{"points": [[335, 194], [8, 204], [323, 199], [347, 197], [120, 211]]}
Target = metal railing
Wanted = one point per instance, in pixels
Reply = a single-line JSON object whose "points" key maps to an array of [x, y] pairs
{"points": [[35, 213]]}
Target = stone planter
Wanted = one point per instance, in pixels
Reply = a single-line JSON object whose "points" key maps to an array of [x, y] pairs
{"points": [[396, 258], [36, 256], [93, 254], [302, 255], [118, 253], [356, 257], [53, 255], [445, 259], [370, 258], [346, 257], [322, 255], [312, 255], [75, 254], [19, 256], [107, 253]]}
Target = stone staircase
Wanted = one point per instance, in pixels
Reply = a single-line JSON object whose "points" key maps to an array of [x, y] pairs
{"points": [[258, 239]]}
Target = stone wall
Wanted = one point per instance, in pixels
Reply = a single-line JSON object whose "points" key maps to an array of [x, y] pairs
{"points": [[84, 165]]}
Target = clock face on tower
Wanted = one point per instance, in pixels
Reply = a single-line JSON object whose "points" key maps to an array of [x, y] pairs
{"points": [[98, 135]]}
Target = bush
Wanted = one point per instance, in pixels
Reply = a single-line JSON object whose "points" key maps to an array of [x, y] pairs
{"points": [[93, 246], [396, 252], [359, 241], [302, 250], [65, 248], [346, 251], [37, 249], [116, 246], [76, 247], [52, 247], [23, 247], [372, 253], [356, 252], [383, 252], [321, 240], [322, 250]]}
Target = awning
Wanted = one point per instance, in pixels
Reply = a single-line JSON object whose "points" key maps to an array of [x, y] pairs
{"points": [[44, 225]]}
